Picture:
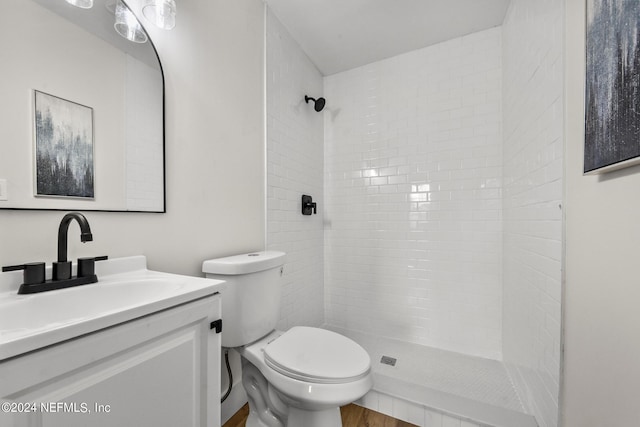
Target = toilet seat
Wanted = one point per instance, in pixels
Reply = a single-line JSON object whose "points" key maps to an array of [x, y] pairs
{"points": [[317, 356]]}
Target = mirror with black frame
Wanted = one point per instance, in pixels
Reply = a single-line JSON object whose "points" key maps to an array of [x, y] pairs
{"points": [[82, 111]]}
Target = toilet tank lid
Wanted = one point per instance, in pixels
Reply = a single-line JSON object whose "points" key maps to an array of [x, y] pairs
{"points": [[244, 263]]}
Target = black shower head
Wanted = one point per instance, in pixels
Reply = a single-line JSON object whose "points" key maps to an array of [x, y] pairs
{"points": [[318, 103]]}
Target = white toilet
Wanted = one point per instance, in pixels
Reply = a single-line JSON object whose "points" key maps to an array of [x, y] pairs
{"points": [[297, 378]]}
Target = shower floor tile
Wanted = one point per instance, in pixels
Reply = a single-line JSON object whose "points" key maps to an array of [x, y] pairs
{"points": [[475, 378]]}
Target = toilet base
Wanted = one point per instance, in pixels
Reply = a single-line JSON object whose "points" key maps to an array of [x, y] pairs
{"points": [[266, 408]]}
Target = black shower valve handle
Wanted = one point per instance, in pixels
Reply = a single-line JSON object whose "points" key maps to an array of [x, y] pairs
{"points": [[312, 205], [308, 205]]}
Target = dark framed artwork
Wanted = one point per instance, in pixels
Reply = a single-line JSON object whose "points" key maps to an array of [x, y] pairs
{"points": [[612, 92], [64, 163]]}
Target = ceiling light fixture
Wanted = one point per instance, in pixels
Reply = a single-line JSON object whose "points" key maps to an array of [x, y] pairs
{"points": [[127, 24], [161, 12], [83, 4]]}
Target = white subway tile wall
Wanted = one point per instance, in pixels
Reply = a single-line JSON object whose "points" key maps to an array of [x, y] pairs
{"points": [[413, 187], [144, 140], [533, 176], [294, 167]]}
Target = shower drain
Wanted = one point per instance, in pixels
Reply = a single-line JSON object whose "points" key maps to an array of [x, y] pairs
{"points": [[386, 360]]}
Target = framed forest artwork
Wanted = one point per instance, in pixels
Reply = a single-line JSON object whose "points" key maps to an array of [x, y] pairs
{"points": [[64, 163], [612, 92]]}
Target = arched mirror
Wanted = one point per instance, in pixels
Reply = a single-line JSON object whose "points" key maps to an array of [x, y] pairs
{"points": [[82, 111]]}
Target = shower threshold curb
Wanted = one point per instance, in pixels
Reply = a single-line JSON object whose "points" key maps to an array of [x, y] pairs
{"points": [[450, 404]]}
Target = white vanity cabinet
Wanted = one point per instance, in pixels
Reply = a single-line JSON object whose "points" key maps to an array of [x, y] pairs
{"points": [[162, 369]]}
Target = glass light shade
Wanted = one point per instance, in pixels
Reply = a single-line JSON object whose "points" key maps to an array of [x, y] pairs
{"points": [[161, 12], [127, 24], [83, 4]]}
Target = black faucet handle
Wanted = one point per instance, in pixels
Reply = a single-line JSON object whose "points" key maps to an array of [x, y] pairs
{"points": [[13, 267], [87, 265], [33, 272]]}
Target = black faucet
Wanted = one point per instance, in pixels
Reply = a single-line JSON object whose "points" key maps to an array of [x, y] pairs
{"points": [[62, 268], [34, 272], [63, 231]]}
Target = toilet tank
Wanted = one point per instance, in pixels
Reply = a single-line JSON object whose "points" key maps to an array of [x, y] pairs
{"points": [[251, 299]]}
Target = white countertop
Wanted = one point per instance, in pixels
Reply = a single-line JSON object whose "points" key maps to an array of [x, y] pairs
{"points": [[125, 290]]}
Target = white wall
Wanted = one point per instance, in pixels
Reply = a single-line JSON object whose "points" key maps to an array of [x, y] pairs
{"points": [[413, 154], [533, 171], [602, 291], [215, 168], [294, 167]]}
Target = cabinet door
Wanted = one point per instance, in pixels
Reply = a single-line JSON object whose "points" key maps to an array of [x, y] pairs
{"points": [[160, 370]]}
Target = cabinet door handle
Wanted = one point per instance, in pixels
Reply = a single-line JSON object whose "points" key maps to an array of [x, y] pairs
{"points": [[217, 325]]}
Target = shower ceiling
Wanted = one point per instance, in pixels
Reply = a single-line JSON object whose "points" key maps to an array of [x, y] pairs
{"points": [[338, 35]]}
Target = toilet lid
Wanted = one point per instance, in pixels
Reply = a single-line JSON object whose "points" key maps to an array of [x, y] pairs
{"points": [[317, 355]]}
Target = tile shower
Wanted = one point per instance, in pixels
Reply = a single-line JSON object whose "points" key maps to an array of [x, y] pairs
{"points": [[436, 174], [413, 172]]}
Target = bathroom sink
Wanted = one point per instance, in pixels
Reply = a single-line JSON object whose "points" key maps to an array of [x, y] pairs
{"points": [[126, 290]]}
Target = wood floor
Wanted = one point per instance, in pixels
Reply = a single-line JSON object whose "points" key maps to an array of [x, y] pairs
{"points": [[352, 416]]}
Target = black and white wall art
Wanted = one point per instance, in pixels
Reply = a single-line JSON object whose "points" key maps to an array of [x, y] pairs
{"points": [[612, 98], [64, 164]]}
